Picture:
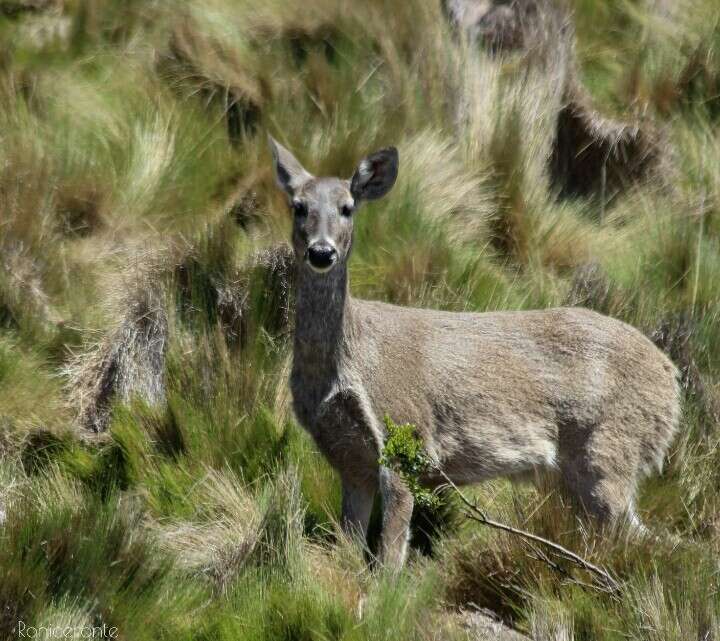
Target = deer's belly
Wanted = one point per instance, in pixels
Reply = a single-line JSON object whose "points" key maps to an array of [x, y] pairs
{"points": [[489, 447]]}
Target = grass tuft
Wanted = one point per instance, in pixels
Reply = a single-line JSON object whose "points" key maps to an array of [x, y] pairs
{"points": [[549, 154]]}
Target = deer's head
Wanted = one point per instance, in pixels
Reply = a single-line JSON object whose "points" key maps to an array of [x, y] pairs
{"points": [[323, 208]]}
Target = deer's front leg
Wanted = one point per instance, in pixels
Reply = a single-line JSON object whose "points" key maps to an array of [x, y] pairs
{"points": [[357, 502], [397, 508]]}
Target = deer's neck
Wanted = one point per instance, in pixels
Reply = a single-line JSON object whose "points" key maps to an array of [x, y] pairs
{"points": [[323, 320]]}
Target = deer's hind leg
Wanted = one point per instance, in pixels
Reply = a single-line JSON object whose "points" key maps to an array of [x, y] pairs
{"points": [[600, 473]]}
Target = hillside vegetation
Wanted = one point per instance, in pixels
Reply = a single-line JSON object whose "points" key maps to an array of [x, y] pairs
{"points": [[152, 476]]}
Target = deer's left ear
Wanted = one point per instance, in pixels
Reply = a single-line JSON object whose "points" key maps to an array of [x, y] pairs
{"points": [[375, 175], [289, 173]]}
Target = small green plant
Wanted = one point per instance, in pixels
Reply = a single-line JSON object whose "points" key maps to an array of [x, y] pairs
{"points": [[405, 453]]}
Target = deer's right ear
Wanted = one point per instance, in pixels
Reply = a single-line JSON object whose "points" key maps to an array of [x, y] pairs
{"points": [[289, 173], [375, 175]]}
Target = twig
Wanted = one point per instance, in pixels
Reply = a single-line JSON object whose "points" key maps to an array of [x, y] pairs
{"points": [[539, 555], [479, 516]]}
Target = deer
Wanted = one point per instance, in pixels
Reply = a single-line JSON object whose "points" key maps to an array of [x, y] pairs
{"points": [[581, 396]]}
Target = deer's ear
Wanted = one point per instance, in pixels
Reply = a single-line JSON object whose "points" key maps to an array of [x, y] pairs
{"points": [[289, 173], [375, 175]]}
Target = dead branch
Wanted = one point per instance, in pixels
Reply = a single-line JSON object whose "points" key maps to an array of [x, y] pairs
{"points": [[477, 515]]}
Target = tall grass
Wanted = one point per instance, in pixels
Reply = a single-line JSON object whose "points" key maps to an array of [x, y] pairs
{"points": [[133, 167]]}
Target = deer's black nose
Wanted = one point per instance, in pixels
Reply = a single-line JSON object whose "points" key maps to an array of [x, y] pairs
{"points": [[321, 256]]}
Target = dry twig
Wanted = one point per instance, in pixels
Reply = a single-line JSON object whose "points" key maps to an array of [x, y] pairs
{"points": [[605, 579]]}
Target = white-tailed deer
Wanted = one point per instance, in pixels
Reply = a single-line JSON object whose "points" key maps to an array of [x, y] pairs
{"points": [[492, 394]]}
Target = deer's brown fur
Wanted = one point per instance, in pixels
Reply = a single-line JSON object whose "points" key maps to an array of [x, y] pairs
{"points": [[495, 394]]}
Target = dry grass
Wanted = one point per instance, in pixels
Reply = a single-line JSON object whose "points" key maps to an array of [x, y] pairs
{"points": [[550, 155], [128, 363], [222, 535], [592, 155]]}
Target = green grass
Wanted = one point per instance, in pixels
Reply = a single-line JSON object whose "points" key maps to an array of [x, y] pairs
{"points": [[213, 516]]}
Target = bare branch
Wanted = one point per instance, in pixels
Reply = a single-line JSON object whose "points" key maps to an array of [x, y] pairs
{"points": [[477, 515]]}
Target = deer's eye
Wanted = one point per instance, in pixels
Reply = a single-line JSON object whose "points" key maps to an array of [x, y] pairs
{"points": [[346, 211], [299, 209]]}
